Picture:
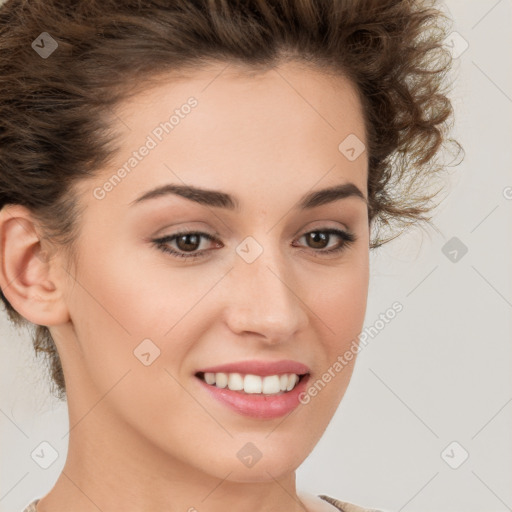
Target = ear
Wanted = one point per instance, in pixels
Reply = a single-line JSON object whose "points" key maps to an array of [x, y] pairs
{"points": [[28, 278]]}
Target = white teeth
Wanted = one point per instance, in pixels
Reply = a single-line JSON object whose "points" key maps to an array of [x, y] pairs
{"points": [[235, 382], [292, 380], [253, 384], [271, 385], [221, 380], [209, 378]]}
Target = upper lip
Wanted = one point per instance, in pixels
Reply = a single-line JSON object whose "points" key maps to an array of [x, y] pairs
{"points": [[258, 367]]}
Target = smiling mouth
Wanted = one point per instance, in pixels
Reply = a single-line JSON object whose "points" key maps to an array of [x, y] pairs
{"points": [[253, 384]]}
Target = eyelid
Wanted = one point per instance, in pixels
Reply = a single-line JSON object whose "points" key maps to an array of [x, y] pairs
{"points": [[162, 243], [347, 236]]}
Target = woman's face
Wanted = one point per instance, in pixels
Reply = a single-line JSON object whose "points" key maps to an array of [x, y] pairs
{"points": [[144, 321]]}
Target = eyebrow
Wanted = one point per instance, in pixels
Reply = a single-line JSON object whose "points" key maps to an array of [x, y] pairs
{"points": [[219, 199]]}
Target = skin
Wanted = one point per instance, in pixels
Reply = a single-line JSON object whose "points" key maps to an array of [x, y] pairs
{"points": [[148, 437]]}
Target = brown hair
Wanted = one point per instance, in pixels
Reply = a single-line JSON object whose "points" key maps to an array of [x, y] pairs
{"points": [[55, 112]]}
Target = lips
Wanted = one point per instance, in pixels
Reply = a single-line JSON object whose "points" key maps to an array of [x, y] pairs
{"points": [[254, 402], [257, 406], [258, 367]]}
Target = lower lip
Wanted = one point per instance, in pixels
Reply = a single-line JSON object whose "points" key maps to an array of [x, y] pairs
{"points": [[258, 405]]}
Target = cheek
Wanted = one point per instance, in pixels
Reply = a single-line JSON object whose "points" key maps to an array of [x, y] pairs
{"points": [[124, 299], [340, 308], [113, 308], [340, 302], [126, 294]]}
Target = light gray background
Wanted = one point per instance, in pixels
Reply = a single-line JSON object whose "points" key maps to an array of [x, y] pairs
{"points": [[441, 371]]}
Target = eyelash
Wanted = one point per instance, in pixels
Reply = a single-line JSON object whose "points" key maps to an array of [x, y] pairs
{"points": [[162, 243]]}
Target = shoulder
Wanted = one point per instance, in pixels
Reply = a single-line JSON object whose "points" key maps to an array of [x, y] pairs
{"points": [[345, 506], [31, 507], [323, 503]]}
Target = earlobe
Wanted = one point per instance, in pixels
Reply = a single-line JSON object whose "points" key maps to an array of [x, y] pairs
{"points": [[26, 276]]}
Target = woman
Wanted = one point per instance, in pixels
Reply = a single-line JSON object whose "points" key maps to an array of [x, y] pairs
{"points": [[189, 194]]}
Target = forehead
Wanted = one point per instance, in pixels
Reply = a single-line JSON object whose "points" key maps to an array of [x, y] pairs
{"points": [[296, 89], [248, 129]]}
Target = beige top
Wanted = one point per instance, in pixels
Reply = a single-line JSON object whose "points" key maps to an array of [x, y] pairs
{"points": [[340, 505]]}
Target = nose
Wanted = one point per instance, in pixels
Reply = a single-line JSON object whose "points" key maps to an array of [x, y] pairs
{"points": [[265, 298]]}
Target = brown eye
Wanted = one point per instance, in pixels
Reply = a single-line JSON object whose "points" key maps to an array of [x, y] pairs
{"points": [[188, 242], [180, 244], [319, 239]]}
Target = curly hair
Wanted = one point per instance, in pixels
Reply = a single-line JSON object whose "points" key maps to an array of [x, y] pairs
{"points": [[55, 112]]}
